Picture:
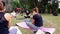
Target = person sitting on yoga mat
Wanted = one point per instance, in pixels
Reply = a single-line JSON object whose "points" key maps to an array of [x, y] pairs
{"points": [[37, 21], [37, 18], [27, 14]]}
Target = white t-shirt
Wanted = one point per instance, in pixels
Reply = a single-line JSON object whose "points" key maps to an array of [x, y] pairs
{"points": [[13, 14]]}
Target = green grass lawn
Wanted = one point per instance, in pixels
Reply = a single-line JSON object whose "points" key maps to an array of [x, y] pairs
{"points": [[54, 21]]}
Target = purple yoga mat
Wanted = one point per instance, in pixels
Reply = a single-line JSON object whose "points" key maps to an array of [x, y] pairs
{"points": [[50, 30], [24, 25]]}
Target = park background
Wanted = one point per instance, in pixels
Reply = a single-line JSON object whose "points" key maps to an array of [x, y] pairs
{"points": [[45, 9]]}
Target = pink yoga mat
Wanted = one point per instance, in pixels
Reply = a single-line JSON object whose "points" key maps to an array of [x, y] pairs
{"points": [[50, 30], [24, 25]]}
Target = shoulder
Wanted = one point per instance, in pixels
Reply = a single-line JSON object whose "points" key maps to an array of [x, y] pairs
{"points": [[7, 16], [35, 15]]}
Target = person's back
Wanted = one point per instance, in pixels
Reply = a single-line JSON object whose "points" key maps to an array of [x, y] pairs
{"points": [[38, 20], [3, 24], [5, 19]]}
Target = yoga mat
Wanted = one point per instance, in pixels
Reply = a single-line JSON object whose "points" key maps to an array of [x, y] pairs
{"points": [[24, 25], [40, 32], [50, 30]]}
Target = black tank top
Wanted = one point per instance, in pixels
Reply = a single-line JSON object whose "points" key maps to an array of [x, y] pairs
{"points": [[3, 22]]}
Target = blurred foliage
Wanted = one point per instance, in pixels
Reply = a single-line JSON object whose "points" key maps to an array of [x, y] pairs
{"points": [[43, 5], [15, 4]]}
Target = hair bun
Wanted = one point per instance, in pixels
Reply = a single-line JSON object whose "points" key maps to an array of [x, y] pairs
{"points": [[1, 6], [3, 3]]}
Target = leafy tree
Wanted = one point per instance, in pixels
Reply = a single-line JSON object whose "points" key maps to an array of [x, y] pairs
{"points": [[15, 4]]}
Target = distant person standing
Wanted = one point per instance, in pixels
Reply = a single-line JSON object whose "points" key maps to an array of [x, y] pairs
{"points": [[5, 19]]}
